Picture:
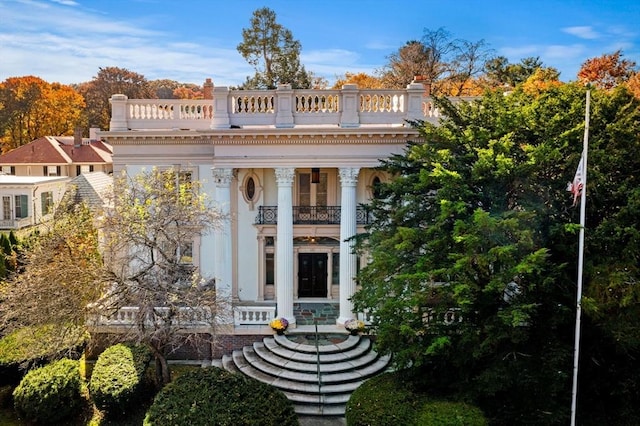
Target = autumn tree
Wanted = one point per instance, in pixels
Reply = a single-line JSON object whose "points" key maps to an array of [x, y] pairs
{"points": [[188, 91], [149, 236], [58, 279], [110, 81], [273, 52], [31, 108], [606, 71], [171, 89], [445, 64], [363, 80]]}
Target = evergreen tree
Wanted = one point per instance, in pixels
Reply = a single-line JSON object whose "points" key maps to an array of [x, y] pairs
{"points": [[273, 52], [473, 254]]}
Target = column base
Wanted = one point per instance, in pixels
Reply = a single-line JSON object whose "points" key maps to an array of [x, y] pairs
{"points": [[341, 320]]}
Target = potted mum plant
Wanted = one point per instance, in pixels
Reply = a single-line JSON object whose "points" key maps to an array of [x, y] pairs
{"points": [[354, 326], [279, 325]]}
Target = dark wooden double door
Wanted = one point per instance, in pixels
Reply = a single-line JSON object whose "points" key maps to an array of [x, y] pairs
{"points": [[312, 274]]}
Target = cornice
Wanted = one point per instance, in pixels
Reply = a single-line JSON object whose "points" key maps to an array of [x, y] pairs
{"points": [[269, 136]]}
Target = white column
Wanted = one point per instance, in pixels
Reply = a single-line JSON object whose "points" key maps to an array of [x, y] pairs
{"points": [[284, 244], [223, 247], [348, 182]]}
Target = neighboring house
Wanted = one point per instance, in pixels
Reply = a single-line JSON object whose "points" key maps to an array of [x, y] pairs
{"points": [[59, 156], [28, 200], [291, 167]]}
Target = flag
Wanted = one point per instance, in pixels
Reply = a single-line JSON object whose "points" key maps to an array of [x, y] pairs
{"points": [[577, 185]]}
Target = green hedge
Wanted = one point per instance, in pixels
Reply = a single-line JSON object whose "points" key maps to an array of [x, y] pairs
{"points": [[212, 396], [34, 346], [448, 413], [380, 401], [51, 393], [389, 399], [118, 378]]}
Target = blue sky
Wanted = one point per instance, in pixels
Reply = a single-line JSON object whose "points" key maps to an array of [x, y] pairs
{"points": [[190, 40]]}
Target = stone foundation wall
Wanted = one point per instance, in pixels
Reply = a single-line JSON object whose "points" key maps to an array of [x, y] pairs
{"points": [[325, 313]]}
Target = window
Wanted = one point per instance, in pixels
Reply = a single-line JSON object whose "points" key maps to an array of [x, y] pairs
{"points": [[22, 206], [185, 253], [51, 170], [9, 170], [6, 208], [335, 273], [312, 194], [269, 267], [46, 200], [83, 169], [250, 188], [375, 187]]}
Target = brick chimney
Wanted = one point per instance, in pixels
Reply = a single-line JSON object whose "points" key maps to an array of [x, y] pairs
{"points": [[77, 137], [207, 89]]}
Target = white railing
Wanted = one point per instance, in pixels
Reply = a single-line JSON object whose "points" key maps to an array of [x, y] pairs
{"points": [[253, 315], [130, 315], [15, 223], [281, 108]]}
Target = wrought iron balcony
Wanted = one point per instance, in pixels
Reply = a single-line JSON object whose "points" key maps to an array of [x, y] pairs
{"points": [[310, 215]]}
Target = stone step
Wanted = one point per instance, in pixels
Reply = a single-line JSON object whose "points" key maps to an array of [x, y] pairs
{"points": [[356, 348], [320, 410], [310, 399], [269, 372], [311, 367], [295, 385], [292, 367], [348, 343], [228, 364], [344, 373]]}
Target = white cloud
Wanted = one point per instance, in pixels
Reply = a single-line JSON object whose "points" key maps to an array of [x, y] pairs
{"points": [[585, 32]]}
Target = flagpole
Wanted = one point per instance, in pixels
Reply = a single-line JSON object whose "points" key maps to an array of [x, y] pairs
{"points": [[583, 210]]}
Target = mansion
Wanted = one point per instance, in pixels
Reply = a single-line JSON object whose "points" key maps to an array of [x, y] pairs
{"points": [[290, 168]]}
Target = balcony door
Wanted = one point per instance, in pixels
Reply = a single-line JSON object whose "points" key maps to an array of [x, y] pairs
{"points": [[312, 274]]}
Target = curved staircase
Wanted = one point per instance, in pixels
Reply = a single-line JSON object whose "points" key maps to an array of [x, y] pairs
{"points": [[293, 368]]}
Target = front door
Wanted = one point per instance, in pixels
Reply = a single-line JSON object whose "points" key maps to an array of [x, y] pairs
{"points": [[312, 275]]}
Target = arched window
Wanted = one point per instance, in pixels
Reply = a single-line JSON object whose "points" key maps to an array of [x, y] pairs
{"points": [[375, 186]]}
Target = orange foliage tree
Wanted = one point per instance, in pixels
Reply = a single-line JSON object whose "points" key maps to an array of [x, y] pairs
{"points": [[363, 80], [606, 71], [31, 108]]}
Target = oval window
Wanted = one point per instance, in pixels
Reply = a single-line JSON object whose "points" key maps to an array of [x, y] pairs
{"points": [[376, 187], [250, 188]]}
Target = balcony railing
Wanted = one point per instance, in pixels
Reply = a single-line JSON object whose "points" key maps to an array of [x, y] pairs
{"points": [[310, 215], [284, 107]]}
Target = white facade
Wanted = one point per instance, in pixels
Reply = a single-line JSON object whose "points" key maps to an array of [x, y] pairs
{"points": [[291, 168]]}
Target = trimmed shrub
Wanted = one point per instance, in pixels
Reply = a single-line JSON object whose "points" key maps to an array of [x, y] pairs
{"points": [[118, 380], [51, 393], [29, 347], [380, 401], [212, 396], [448, 413]]}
